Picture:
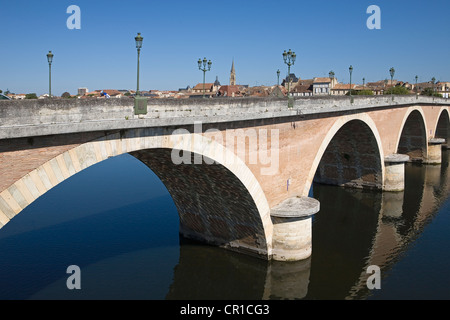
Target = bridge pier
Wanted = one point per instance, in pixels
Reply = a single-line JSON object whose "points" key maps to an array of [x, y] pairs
{"points": [[292, 228], [395, 172], [434, 151]]}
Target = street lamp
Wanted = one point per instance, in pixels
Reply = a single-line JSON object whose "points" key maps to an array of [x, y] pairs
{"points": [[392, 72], [417, 96], [331, 75], [50, 60], [350, 69], [205, 64], [289, 59], [138, 40], [140, 103], [432, 81], [278, 77]]}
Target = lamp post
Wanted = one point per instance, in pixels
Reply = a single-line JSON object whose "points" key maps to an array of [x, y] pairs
{"points": [[350, 69], [278, 77], [331, 75], [138, 40], [432, 81], [392, 72], [205, 63], [140, 103], [50, 60], [417, 89], [289, 59]]}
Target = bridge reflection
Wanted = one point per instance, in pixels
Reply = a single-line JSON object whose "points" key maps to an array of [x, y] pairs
{"points": [[354, 229]]}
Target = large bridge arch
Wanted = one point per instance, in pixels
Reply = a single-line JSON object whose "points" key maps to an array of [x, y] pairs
{"points": [[443, 126], [413, 135], [243, 225], [368, 166]]}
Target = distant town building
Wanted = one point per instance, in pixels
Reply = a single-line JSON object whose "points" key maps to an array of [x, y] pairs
{"points": [[19, 96], [229, 91], [207, 87], [377, 87], [303, 88], [217, 83], [342, 89], [323, 86], [187, 89], [112, 93], [279, 91], [232, 75], [259, 91], [443, 88], [82, 91], [290, 78]]}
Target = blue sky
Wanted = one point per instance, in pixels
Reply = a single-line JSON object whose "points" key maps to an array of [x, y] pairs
{"points": [[326, 35]]}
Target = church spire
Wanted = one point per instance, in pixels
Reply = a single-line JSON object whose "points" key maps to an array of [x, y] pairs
{"points": [[232, 75]]}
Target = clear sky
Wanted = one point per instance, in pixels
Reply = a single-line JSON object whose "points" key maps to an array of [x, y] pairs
{"points": [[326, 35]]}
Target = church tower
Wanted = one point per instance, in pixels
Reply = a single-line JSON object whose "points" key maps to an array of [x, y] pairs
{"points": [[232, 75]]}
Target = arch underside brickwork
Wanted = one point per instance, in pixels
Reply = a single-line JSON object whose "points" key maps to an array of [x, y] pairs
{"points": [[352, 158], [443, 127], [214, 206], [413, 137]]}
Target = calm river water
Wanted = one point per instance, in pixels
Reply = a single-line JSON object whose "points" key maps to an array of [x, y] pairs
{"points": [[117, 222]]}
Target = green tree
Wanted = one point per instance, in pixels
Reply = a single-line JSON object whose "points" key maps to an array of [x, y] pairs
{"points": [[397, 90], [365, 92], [65, 95], [430, 92], [31, 96]]}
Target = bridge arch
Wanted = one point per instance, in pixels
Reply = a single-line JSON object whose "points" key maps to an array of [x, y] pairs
{"points": [[413, 136], [443, 126], [350, 155], [204, 192]]}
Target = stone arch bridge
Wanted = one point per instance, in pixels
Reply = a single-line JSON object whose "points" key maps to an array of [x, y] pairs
{"points": [[239, 170]]}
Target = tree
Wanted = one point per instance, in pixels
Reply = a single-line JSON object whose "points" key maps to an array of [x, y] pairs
{"points": [[365, 92], [397, 90], [65, 95], [430, 92], [31, 96], [1, 91]]}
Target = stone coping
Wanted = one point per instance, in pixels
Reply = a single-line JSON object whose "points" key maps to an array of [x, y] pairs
{"points": [[38, 117], [296, 207], [436, 141], [396, 158]]}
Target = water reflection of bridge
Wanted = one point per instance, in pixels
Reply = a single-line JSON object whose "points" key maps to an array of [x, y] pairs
{"points": [[367, 228], [400, 223]]}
